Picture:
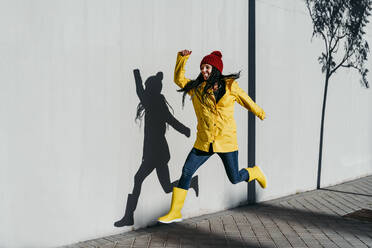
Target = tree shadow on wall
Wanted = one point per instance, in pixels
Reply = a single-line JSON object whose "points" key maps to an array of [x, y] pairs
{"points": [[340, 24], [155, 109]]}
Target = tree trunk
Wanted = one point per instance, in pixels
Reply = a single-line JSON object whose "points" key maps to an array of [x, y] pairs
{"points": [[322, 129]]}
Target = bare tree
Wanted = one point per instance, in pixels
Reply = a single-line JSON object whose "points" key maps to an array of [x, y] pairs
{"points": [[341, 24]]}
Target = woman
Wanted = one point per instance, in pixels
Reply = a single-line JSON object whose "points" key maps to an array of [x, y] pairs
{"points": [[213, 96]]}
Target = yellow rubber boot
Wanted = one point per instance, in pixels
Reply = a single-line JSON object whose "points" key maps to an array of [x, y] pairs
{"points": [[174, 214], [255, 173]]}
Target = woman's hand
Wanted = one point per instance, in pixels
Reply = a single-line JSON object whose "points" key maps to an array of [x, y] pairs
{"points": [[185, 52]]}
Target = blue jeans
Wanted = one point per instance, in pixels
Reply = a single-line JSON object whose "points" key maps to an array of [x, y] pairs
{"points": [[197, 157]]}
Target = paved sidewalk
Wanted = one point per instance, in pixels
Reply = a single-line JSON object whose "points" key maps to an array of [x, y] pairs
{"points": [[310, 219]]}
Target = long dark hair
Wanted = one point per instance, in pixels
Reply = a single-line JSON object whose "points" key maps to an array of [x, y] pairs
{"points": [[216, 76], [141, 108]]}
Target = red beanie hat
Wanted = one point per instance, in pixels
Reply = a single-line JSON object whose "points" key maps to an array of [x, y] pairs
{"points": [[214, 59]]}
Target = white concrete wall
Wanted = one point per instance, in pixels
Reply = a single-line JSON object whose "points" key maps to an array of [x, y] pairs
{"points": [[290, 87], [69, 146]]}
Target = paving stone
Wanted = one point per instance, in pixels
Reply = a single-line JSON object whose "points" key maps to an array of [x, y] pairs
{"points": [[309, 219]]}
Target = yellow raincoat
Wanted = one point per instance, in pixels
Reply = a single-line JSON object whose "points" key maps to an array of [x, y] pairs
{"points": [[216, 123]]}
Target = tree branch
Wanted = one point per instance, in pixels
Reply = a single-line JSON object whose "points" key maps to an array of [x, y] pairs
{"points": [[350, 66], [337, 39], [326, 44], [334, 46], [347, 56]]}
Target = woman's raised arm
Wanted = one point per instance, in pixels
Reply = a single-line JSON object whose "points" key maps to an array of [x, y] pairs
{"points": [[179, 70]]}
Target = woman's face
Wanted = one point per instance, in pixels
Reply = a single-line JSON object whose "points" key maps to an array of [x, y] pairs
{"points": [[206, 70]]}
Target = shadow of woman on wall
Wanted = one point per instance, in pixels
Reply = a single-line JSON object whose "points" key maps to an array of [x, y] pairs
{"points": [[155, 109]]}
